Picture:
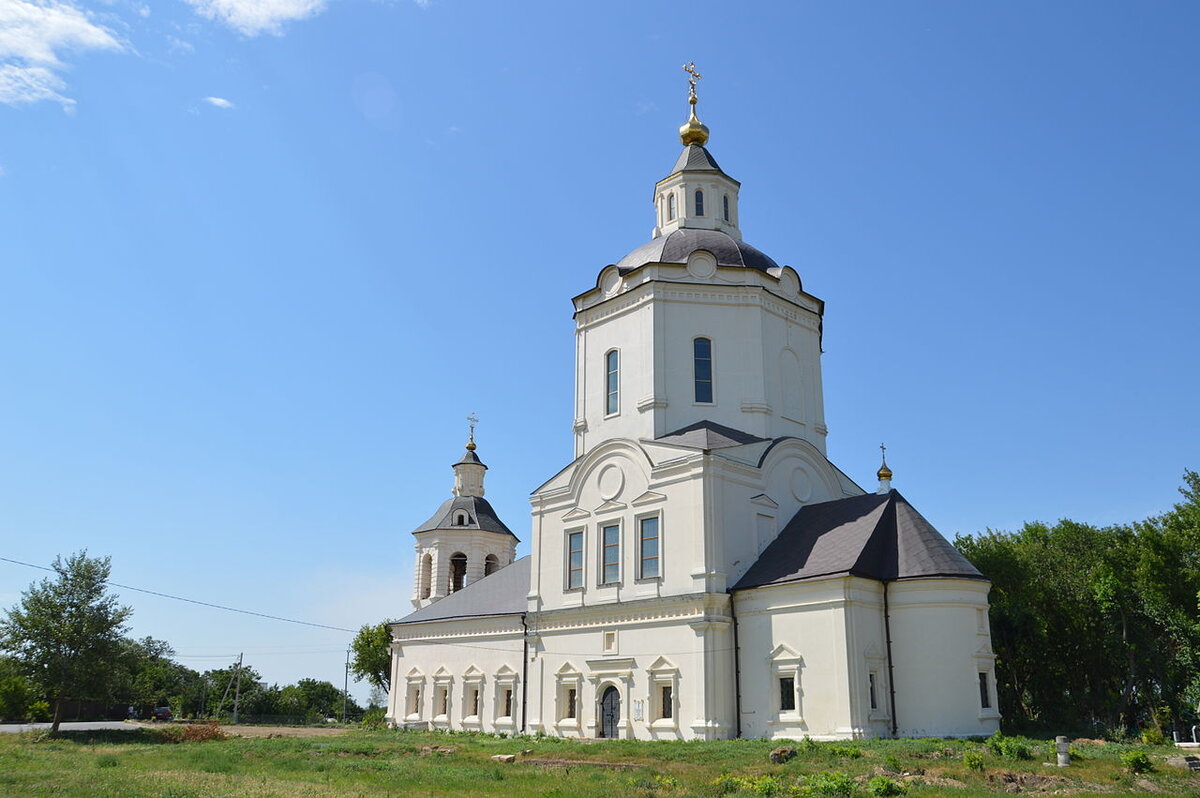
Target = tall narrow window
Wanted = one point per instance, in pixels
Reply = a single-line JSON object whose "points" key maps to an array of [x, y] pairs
{"points": [[475, 702], [458, 571], [570, 703], [507, 703], [612, 383], [702, 360], [787, 694], [670, 207], [985, 695], [699, 202], [668, 702], [648, 549], [871, 690], [611, 554], [426, 574], [574, 559], [490, 564], [725, 204]]}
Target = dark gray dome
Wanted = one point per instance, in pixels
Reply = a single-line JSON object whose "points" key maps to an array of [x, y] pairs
{"points": [[677, 246]]}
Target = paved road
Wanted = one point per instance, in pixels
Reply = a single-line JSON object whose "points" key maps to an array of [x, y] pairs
{"points": [[13, 728]]}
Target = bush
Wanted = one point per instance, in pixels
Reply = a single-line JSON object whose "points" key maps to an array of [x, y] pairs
{"points": [[1136, 762], [892, 762], [374, 719], [192, 733], [882, 785], [973, 760], [753, 785], [1009, 747], [845, 751], [1153, 736], [835, 785]]}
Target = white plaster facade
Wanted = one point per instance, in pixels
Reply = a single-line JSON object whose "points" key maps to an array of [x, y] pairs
{"points": [[685, 473]]}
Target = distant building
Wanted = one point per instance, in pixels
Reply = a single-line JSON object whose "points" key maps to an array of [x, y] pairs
{"points": [[700, 570]]}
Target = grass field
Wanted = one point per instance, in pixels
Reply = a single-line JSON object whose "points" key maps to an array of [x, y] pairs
{"points": [[396, 763]]}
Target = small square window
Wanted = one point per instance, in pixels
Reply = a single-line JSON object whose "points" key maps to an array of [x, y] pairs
{"points": [[610, 642]]}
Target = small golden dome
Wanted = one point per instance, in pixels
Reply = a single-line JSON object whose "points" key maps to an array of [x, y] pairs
{"points": [[693, 131], [471, 445], [884, 473]]}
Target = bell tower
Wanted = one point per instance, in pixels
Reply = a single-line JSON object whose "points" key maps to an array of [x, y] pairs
{"points": [[465, 540]]}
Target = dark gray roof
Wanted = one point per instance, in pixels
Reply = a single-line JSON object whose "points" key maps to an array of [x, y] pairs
{"points": [[502, 593], [480, 515], [873, 536], [695, 158], [677, 246], [709, 435], [469, 457]]}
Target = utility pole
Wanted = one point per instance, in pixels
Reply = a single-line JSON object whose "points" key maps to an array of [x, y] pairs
{"points": [[346, 685], [237, 692]]}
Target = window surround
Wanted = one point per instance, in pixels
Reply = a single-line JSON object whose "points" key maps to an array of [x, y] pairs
{"points": [[985, 663], [443, 698], [491, 564], [612, 383], [663, 673], [414, 694], [638, 522], [506, 683], [876, 666], [699, 201], [605, 549], [472, 697], [568, 571], [785, 663], [671, 206], [568, 677]]}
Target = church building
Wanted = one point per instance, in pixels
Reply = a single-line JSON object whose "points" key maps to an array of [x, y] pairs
{"points": [[700, 570]]}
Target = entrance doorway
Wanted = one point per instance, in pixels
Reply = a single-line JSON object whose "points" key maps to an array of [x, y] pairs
{"points": [[610, 712]]}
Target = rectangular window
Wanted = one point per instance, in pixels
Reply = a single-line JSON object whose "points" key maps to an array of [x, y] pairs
{"points": [[871, 689], [443, 700], [668, 702], [508, 703], [475, 702], [574, 559], [648, 553], [985, 695], [787, 694], [570, 703], [610, 554], [414, 700], [702, 363], [612, 399]]}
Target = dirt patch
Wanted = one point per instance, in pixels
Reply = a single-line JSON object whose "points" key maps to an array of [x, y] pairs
{"points": [[1026, 782], [561, 764]]}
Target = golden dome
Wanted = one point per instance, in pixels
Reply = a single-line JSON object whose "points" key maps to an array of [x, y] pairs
{"points": [[884, 473], [693, 131]]}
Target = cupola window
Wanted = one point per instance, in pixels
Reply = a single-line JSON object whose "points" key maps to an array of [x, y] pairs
{"points": [[491, 564], [699, 202], [670, 207], [612, 381], [702, 367], [725, 204], [458, 571]]}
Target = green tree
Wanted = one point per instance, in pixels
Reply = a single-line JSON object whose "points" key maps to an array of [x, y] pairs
{"points": [[17, 693], [66, 633], [371, 655]]}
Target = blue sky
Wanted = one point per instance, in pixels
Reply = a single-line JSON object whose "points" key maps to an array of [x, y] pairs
{"points": [[260, 258]]}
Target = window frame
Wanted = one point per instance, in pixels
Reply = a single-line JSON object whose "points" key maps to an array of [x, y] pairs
{"points": [[663, 674], [567, 551], [612, 383], [641, 537], [696, 379], [671, 206], [604, 547], [698, 201], [726, 208]]}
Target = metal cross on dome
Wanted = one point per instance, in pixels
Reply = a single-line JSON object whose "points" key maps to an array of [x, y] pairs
{"points": [[472, 420], [694, 77]]}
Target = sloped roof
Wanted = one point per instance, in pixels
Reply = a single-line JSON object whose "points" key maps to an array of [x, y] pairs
{"points": [[480, 515], [695, 158], [709, 435], [675, 247], [874, 536], [501, 593], [470, 458]]}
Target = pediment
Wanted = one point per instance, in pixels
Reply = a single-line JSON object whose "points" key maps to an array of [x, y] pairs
{"points": [[575, 514], [610, 507], [472, 671], [415, 673], [649, 497], [763, 500], [505, 671], [567, 669], [785, 653], [442, 672], [663, 665]]}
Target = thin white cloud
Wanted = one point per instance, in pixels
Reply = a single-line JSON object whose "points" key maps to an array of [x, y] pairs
{"points": [[423, 3], [33, 34], [252, 17], [219, 102]]}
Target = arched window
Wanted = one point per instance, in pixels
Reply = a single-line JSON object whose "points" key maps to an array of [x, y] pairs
{"points": [[426, 578], [458, 571], [460, 519], [725, 202], [612, 382], [670, 207], [699, 202], [702, 369], [491, 564]]}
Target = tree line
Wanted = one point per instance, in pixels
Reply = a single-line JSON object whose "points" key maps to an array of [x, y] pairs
{"points": [[1097, 629], [66, 652]]}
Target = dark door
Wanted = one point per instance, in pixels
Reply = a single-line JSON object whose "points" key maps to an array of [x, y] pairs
{"points": [[610, 712]]}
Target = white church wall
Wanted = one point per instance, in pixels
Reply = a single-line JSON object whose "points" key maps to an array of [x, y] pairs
{"points": [[941, 642], [437, 665]]}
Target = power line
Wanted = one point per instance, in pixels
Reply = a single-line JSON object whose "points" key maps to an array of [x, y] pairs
{"points": [[201, 603]]}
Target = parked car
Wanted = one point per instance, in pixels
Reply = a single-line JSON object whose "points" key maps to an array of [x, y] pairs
{"points": [[161, 713]]}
